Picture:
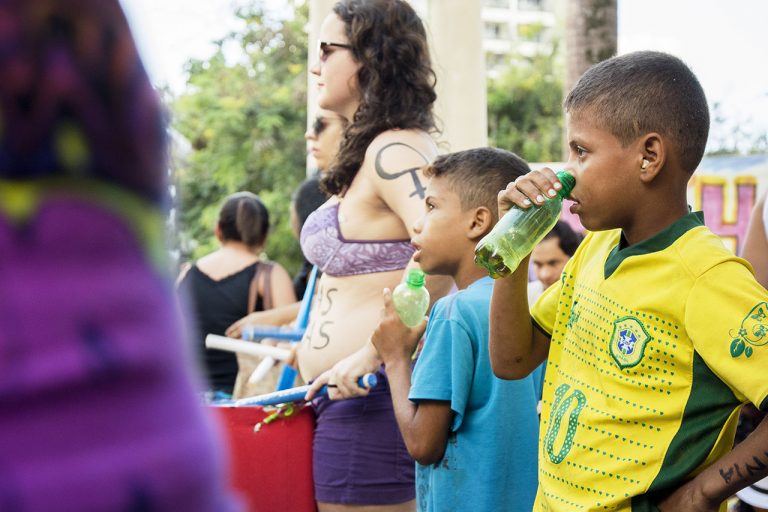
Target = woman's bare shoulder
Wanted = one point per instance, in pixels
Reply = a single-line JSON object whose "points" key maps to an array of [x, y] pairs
{"points": [[403, 141], [395, 151]]}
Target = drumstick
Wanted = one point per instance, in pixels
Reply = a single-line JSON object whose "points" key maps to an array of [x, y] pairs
{"points": [[261, 370], [254, 332], [246, 347], [297, 394]]}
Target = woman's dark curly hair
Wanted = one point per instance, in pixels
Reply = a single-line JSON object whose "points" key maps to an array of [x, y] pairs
{"points": [[395, 79]]}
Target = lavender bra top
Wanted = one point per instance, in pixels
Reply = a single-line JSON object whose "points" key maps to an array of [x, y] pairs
{"points": [[323, 245]]}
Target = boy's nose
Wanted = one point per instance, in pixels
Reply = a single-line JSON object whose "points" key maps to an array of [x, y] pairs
{"points": [[315, 69], [418, 225]]}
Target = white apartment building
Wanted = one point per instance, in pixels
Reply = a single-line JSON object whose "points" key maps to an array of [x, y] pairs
{"points": [[518, 28]]}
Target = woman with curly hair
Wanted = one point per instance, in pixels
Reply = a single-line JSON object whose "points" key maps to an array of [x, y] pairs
{"points": [[374, 71]]}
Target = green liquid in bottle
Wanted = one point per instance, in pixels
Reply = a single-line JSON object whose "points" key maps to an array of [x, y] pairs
{"points": [[518, 231], [411, 298]]}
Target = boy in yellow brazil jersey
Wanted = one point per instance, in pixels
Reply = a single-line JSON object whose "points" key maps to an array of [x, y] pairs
{"points": [[655, 332]]}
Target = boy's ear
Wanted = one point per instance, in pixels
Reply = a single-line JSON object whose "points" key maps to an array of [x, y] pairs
{"points": [[653, 155], [481, 223]]}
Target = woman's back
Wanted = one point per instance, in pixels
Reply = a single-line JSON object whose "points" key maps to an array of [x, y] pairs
{"points": [[216, 304], [220, 284]]}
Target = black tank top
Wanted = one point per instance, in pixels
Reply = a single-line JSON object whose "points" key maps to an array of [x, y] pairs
{"points": [[216, 305]]}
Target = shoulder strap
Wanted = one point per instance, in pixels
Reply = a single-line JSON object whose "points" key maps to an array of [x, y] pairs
{"points": [[265, 286], [261, 286], [183, 271]]}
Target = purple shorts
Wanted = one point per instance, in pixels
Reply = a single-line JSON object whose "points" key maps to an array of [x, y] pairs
{"points": [[358, 453]]}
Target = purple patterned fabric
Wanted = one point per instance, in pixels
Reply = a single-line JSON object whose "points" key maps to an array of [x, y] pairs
{"points": [[97, 408], [74, 97], [323, 245]]}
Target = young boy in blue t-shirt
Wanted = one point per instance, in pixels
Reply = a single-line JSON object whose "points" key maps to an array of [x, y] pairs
{"points": [[473, 435]]}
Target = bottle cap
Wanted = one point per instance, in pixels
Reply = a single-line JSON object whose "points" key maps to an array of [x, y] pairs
{"points": [[568, 182], [415, 278]]}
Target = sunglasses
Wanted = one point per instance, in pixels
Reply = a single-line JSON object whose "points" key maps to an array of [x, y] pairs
{"points": [[324, 49], [321, 123]]}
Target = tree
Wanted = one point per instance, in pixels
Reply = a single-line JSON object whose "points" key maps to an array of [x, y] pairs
{"points": [[734, 136], [245, 119], [525, 109], [591, 35]]}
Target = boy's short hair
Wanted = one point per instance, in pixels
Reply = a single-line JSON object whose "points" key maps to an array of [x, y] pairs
{"points": [[642, 92], [477, 175], [567, 239]]}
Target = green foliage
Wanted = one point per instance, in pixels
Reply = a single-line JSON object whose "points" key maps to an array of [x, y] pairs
{"points": [[525, 110], [734, 136], [530, 31], [245, 120]]}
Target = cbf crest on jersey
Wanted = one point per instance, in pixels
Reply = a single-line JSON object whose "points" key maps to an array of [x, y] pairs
{"points": [[753, 332], [628, 341]]}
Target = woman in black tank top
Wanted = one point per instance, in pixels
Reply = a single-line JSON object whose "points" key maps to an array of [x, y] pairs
{"points": [[219, 285]]}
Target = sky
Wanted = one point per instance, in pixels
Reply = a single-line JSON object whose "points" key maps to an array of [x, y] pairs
{"points": [[723, 41]]}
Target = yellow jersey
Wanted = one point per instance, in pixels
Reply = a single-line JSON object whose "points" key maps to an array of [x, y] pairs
{"points": [[654, 347]]}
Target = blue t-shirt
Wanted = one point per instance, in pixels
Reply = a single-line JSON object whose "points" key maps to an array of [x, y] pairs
{"points": [[490, 459]]}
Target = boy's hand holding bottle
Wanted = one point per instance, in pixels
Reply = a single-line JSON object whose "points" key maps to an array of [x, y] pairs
{"points": [[532, 189], [392, 338], [528, 209]]}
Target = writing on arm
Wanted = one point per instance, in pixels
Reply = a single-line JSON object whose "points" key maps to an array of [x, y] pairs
{"points": [[419, 188]]}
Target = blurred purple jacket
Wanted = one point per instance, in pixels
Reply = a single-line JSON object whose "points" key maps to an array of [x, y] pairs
{"points": [[98, 411]]}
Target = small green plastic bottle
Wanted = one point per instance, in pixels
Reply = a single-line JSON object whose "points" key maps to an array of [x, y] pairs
{"points": [[519, 230], [411, 298]]}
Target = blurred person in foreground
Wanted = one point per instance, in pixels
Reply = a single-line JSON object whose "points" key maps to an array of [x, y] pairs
{"points": [[97, 408]]}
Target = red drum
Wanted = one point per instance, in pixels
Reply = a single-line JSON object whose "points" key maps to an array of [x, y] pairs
{"points": [[271, 466]]}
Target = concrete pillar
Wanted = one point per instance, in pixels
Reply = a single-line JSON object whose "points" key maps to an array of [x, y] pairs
{"points": [[318, 10], [455, 29]]}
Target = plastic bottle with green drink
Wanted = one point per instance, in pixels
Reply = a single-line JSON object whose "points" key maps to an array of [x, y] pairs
{"points": [[519, 230], [411, 298]]}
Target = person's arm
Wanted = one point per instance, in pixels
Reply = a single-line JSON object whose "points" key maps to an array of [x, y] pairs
{"points": [[744, 465], [755, 248], [425, 426], [276, 316], [281, 287], [725, 319], [183, 271], [516, 347], [394, 164]]}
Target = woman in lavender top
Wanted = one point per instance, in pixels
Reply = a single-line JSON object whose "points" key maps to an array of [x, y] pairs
{"points": [[373, 70]]}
